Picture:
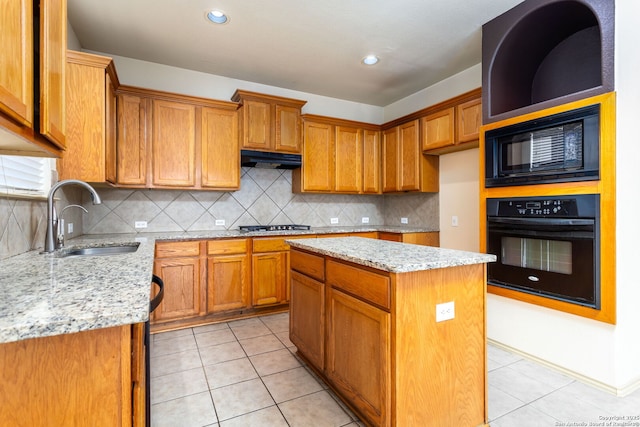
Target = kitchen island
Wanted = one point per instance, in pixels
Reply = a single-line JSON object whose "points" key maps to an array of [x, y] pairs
{"points": [[397, 330]]}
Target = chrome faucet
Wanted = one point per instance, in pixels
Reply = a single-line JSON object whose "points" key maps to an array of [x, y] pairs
{"points": [[50, 242]]}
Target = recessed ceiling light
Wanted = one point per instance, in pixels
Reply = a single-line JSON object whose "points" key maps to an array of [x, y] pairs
{"points": [[217, 17], [370, 60]]}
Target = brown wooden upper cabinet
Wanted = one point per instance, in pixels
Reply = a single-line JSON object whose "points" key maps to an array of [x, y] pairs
{"points": [[339, 156], [176, 141], [27, 132], [404, 167], [453, 125], [269, 123], [91, 118]]}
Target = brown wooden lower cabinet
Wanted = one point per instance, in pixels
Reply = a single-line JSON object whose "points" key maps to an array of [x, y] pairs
{"points": [[228, 275], [222, 279], [92, 378], [384, 353], [427, 239]]}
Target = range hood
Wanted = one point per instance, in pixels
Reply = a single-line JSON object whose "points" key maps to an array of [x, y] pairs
{"points": [[263, 159]]}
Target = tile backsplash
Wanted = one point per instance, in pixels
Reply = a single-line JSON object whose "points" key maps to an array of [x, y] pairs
{"points": [[265, 197]]}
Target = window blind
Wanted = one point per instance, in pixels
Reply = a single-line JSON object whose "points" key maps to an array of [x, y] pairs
{"points": [[25, 175]]}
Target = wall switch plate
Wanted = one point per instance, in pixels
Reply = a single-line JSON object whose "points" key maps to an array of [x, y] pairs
{"points": [[365, 220], [70, 227], [454, 221], [404, 220], [220, 222], [140, 224], [445, 311], [334, 220]]}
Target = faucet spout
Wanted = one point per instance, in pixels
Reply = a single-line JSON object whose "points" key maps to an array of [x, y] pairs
{"points": [[52, 219]]}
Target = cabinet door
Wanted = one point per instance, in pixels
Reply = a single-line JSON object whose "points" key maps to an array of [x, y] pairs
{"points": [[318, 164], [469, 119], [358, 354], [53, 55], [16, 60], [439, 129], [220, 151], [182, 285], [173, 144], [371, 161], [287, 129], [409, 162], [307, 318], [390, 159], [131, 141], [256, 123], [348, 159], [270, 274], [84, 158], [228, 282]]}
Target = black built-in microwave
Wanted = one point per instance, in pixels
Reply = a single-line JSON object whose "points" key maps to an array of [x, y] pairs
{"points": [[563, 147]]}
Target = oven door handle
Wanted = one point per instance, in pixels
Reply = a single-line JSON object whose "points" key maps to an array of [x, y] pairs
{"points": [[540, 221]]}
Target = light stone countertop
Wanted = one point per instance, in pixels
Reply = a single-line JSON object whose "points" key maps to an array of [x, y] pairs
{"points": [[390, 256], [44, 294]]}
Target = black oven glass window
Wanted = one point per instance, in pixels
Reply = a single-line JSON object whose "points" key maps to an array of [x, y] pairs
{"points": [[537, 254]]}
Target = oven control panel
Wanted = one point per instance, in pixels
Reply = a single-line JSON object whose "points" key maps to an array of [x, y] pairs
{"points": [[561, 207]]}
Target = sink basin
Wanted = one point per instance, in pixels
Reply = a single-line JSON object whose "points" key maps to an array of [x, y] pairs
{"points": [[100, 250]]}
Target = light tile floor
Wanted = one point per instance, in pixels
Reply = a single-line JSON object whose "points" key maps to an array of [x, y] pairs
{"points": [[245, 373]]}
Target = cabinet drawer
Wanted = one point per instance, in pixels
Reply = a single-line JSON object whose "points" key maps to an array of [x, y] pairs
{"points": [[277, 244], [227, 247], [309, 264], [366, 285], [177, 249]]}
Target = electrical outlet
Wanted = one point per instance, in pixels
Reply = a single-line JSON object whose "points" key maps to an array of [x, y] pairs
{"points": [[454, 221], [445, 311], [365, 220], [220, 222], [140, 224], [334, 220], [404, 220], [70, 227]]}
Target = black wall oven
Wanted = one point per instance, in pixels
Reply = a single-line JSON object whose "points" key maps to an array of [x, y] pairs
{"points": [[547, 246]]}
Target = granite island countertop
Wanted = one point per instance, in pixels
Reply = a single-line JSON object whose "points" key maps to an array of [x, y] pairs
{"points": [[388, 256], [44, 294]]}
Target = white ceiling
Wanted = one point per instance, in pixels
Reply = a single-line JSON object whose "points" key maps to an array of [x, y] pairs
{"points": [[310, 46]]}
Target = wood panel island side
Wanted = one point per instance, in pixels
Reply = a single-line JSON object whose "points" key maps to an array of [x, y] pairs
{"points": [[396, 330]]}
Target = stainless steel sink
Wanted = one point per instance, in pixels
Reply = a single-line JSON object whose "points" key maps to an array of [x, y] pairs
{"points": [[114, 249]]}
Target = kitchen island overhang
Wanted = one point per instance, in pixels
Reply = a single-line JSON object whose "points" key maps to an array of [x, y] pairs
{"points": [[397, 330]]}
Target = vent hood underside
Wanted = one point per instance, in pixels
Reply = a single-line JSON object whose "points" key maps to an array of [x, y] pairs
{"points": [[263, 159]]}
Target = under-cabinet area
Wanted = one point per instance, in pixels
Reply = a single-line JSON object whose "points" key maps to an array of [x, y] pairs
{"points": [[384, 331]]}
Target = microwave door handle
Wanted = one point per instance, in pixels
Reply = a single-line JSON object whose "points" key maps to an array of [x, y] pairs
{"points": [[541, 221]]}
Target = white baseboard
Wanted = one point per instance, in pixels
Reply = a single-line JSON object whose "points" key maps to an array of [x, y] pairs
{"points": [[620, 392]]}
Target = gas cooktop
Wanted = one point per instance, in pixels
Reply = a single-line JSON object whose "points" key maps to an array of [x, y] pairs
{"points": [[283, 227]]}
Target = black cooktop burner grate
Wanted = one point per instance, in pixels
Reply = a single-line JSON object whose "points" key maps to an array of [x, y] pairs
{"points": [[283, 227]]}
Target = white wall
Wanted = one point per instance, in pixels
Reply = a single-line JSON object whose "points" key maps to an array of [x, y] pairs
{"points": [[150, 75]]}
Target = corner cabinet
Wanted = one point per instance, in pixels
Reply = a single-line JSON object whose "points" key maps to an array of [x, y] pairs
{"points": [[175, 141], [269, 123], [69, 379], [27, 129], [404, 167], [91, 117]]}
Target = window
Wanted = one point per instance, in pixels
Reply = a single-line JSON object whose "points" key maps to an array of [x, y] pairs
{"points": [[26, 176]]}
